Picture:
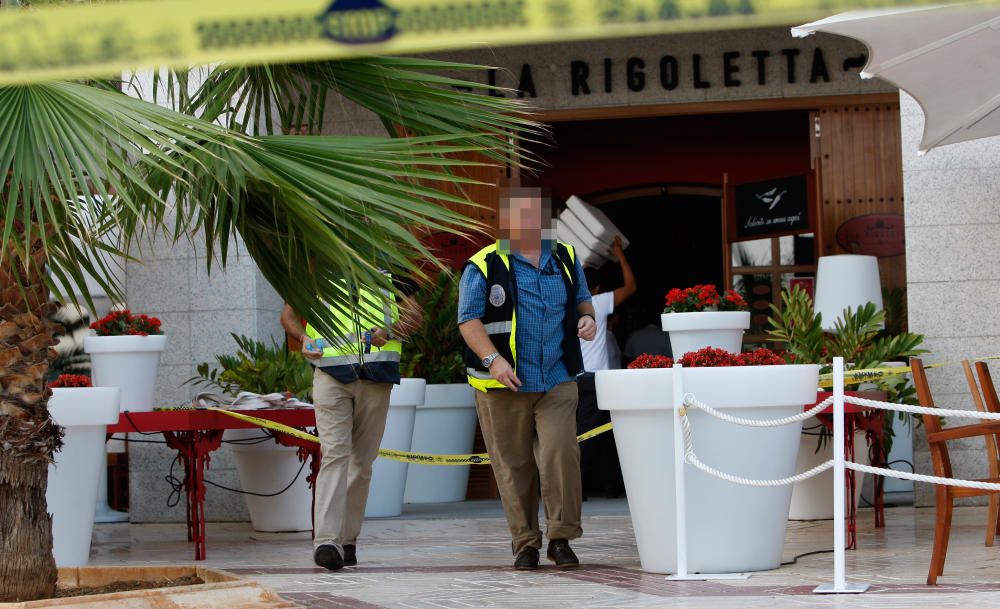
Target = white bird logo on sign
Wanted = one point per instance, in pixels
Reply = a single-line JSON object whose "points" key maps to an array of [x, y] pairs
{"points": [[771, 197]]}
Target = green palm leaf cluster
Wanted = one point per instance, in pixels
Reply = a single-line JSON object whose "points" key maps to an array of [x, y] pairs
{"points": [[211, 162]]}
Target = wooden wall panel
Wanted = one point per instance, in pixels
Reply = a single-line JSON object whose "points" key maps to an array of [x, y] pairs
{"points": [[861, 173]]}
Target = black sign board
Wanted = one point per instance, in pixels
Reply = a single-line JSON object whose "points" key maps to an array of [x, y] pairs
{"points": [[772, 207]]}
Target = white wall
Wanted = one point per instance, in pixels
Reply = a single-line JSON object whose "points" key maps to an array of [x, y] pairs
{"points": [[953, 271]]}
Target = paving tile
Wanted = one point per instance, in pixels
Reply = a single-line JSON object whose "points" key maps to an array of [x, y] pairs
{"points": [[458, 557]]}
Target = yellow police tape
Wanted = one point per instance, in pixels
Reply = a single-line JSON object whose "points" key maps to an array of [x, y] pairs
{"points": [[866, 375], [395, 455], [86, 39]]}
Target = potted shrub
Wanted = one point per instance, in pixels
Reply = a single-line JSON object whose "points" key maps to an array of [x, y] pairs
{"points": [[731, 528], [264, 465], [84, 412], [446, 421], [125, 353], [699, 317], [858, 337]]}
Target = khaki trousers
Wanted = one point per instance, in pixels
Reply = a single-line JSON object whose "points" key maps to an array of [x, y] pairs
{"points": [[531, 438], [350, 420]]}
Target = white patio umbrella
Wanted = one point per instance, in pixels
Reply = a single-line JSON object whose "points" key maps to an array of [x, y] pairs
{"points": [[946, 57]]}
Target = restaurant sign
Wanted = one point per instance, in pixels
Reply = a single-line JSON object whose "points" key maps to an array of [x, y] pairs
{"points": [[770, 208], [879, 235]]}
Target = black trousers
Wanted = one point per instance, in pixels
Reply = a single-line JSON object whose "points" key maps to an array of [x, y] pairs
{"points": [[599, 466]]}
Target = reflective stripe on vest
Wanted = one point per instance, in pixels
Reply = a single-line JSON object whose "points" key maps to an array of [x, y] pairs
{"points": [[348, 349]]}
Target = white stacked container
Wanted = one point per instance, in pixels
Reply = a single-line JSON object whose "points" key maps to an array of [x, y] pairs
{"points": [[589, 231]]}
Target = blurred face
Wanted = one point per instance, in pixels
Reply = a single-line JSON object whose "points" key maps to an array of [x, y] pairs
{"points": [[525, 218]]}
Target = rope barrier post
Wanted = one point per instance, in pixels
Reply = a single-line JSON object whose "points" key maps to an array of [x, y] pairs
{"points": [[839, 585]]}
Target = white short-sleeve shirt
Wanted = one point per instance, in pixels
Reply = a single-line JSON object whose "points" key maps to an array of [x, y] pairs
{"points": [[595, 352]]}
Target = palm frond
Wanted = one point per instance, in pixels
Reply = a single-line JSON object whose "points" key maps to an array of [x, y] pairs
{"points": [[75, 159]]}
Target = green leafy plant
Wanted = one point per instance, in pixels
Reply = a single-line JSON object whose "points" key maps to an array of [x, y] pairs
{"points": [[434, 350], [258, 368], [857, 336]]}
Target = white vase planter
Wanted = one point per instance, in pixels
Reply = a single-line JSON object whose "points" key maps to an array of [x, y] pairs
{"points": [[267, 467], [812, 499], [445, 424], [694, 331], [73, 478], [385, 496], [730, 528], [128, 362]]}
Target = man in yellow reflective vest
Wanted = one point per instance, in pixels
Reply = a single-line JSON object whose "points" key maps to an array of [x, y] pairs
{"points": [[354, 373], [523, 306]]}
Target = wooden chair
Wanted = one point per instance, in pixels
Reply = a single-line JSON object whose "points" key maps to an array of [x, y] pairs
{"points": [[992, 405], [993, 460], [937, 439]]}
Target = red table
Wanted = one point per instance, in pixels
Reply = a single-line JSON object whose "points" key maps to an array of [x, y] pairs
{"points": [[194, 434], [869, 420]]}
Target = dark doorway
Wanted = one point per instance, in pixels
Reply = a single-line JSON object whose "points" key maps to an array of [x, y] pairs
{"points": [[676, 241]]}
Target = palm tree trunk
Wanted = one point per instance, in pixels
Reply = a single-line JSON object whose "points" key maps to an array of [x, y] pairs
{"points": [[28, 437]]}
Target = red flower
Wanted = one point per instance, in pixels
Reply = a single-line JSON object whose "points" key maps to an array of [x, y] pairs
{"points": [[647, 360], [702, 297], [71, 380], [123, 323]]}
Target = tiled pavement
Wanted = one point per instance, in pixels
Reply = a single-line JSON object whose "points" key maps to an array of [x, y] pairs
{"points": [[457, 557]]}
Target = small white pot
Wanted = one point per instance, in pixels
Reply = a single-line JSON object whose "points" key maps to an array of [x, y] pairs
{"points": [[385, 496], [730, 528], [445, 424], [693, 331], [812, 499], [128, 362], [266, 467], [73, 478]]}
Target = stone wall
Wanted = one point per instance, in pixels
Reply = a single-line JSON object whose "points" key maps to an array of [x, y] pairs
{"points": [[953, 272]]}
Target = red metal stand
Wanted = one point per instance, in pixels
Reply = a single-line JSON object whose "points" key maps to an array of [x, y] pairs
{"points": [[194, 434]]}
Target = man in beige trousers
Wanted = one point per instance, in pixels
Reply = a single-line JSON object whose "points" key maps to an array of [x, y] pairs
{"points": [[523, 306], [354, 375]]}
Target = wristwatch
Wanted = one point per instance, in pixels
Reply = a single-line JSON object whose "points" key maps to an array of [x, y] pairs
{"points": [[488, 360]]}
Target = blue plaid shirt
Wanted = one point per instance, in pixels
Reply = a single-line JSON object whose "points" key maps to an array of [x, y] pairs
{"points": [[541, 307]]}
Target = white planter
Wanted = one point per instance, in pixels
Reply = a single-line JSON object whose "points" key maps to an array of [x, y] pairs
{"points": [[267, 467], [128, 362], [445, 424], [73, 478], [385, 496], [730, 528], [812, 499], [694, 331]]}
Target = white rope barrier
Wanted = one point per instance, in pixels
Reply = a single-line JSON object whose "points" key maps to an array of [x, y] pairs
{"points": [[939, 412], [838, 463], [691, 458], [691, 402]]}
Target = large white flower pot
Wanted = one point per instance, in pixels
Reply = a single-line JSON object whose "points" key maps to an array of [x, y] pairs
{"points": [[730, 528], [266, 467], [128, 362], [385, 496], [445, 424], [73, 478], [812, 499], [694, 331]]}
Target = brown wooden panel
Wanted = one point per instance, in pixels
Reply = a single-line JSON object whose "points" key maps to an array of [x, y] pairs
{"points": [[861, 172]]}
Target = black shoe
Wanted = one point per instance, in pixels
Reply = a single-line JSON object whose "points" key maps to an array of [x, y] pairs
{"points": [[527, 560], [350, 556], [561, 554], [328, 557]]}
